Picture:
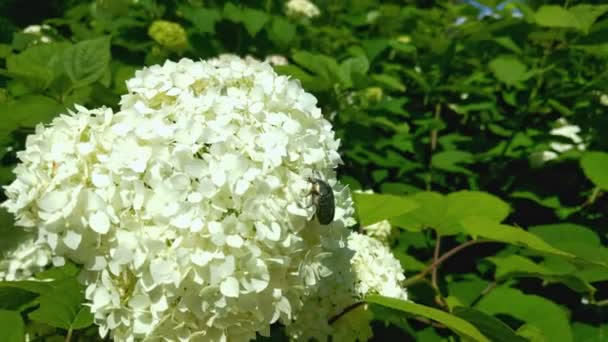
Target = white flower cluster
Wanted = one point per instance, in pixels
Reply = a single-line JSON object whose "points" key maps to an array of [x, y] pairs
{"points": [[563, 129], [366, 266], [27, 259], [187, 208], [302, 8]]}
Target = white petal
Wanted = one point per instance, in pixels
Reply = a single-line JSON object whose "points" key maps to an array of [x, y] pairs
{"points": [[99, 222], [230, 287]]}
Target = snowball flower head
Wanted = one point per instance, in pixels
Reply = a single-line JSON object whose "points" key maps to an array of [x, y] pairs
{"points": [[187, 208], [302, 8]]}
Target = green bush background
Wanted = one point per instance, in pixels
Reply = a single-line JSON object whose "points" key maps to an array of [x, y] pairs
{"points": [[439, 112]]}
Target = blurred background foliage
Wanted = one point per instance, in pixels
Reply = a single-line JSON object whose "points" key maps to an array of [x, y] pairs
{"points": [[488, 118]]}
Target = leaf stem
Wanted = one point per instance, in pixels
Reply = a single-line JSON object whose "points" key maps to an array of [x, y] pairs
{"points": [[440, 260], [491, 286], [68, 337]]}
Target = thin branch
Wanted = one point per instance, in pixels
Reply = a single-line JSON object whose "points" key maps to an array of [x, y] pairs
{"points": [[345, 311], [440, 260], [435, 257], [595, 194]]}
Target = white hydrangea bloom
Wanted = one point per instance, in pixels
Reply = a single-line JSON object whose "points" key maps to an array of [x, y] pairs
{"points": [[27, 259], [187, 207], [364, 267], [302, 8], [380, 231], [563, 129]]}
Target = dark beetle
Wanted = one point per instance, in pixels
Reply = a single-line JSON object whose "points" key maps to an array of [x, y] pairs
{"points": [[323, 200]]}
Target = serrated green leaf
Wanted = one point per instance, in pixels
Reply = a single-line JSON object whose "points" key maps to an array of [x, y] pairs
{"points": [[491, 327], [12, 328], [12, 298], [540, 312], [455, 323], [373, 208], [62, 307], [87, 61], [492, 230], [38, 66], [594, 165]]}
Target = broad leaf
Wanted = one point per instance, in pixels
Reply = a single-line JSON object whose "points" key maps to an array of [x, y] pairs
{"points": [[491, 327], [457, 324], [489, 229], [12, 328], [509, 69], [203, 19], [555, 16], [373, 208], [595, 166], [87, 61], [63, 306], [542, 313]]}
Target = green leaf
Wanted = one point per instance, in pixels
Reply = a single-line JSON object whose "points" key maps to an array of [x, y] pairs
{"points": [[449, 160], [509, 69], [540, 312], [38, 287], [445, 213], [281, 31], [589, 333], [575, 239], [353, 69], [373, 208], [62, 307], [491, 327], [555, 16], [28, 111], [587, 14], [389, 82], [518, 266], [87, 61], [455, 323], [12, 298], [12, 328], [254, 20], [594, 166], [203, 19], [38, 66], [492, 230]]}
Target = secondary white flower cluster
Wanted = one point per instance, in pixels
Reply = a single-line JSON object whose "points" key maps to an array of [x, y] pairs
{"points": [[366, 266], [28, 258], [187, 208], [565, 130], [302, 8]]}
